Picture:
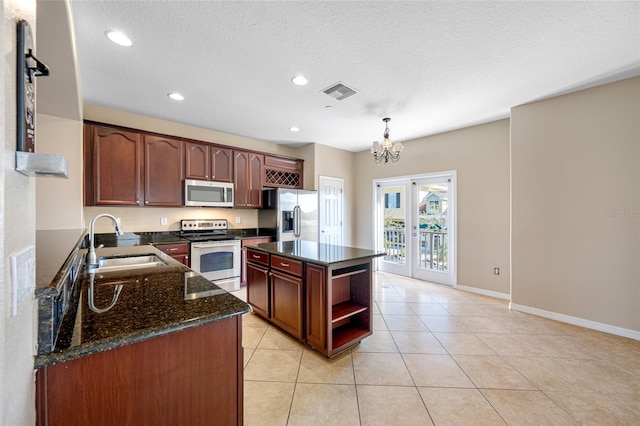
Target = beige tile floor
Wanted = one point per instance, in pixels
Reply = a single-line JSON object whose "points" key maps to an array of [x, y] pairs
{"points": [[445, 357]]}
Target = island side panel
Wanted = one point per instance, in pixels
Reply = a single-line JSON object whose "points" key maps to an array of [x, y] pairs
{"points": [[316, 307], [350, 292], [186, 377]]}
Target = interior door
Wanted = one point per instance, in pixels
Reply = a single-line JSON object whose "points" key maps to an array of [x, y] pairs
{"points": [[432, 229], [331, 210], [392, 223]]}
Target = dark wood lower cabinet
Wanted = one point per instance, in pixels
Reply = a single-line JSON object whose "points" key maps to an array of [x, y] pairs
{"points": [[258, 291], [286, 303], [190, 377], [179, 252], [243, 255]]}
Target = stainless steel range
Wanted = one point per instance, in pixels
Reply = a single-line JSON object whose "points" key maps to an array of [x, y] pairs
{"points": [[214, 254]]}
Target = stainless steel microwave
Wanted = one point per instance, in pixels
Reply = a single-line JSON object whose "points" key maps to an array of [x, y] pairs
{"points": [[204, 193]]}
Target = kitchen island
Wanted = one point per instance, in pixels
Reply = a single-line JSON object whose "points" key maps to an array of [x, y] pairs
{"points": [[321, 294], [158, 344]]}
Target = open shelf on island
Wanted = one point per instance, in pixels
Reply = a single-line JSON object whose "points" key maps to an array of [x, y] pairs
{"points": [[346, 334], [346, 309]]}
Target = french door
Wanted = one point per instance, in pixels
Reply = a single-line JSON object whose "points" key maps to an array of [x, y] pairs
{"points": [[393, 226], [415, 222]]}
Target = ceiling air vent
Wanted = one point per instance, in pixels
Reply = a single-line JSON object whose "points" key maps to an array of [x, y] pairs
{"points": [[340, 91]]}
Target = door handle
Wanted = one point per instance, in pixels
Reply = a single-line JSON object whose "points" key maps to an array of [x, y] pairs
{"points": [[297, 221]]}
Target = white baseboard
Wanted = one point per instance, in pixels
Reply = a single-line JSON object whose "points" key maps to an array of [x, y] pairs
{"points": [[496, 294], [593, 325]]}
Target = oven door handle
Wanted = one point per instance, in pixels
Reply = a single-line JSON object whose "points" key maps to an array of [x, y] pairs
{"points": [[214, 244], [204, 245]]}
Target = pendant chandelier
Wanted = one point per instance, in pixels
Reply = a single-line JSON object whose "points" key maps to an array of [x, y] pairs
{"points": [[387, 151]]}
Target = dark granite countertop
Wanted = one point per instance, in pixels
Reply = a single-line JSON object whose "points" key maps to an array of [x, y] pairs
{"points": [[109, 310], [129, 239], [246, 233], [55, 251], [322, 254]]}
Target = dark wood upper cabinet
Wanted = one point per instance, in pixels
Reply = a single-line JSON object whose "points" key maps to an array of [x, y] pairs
{"points": [[282, 172], [247, 179], [208, 162], [163, 171], [221, 164], [241, 178], [113, 176], [197, 161], [127, 167], [255, 180]]}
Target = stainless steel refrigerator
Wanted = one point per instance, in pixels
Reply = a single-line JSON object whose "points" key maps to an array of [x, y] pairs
{"points": [[293, 213]]}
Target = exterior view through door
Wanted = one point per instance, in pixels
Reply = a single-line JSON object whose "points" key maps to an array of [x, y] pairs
{"points": [[415, 226]]}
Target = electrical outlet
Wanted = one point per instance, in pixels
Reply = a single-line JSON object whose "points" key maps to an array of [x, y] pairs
{"points": [[163, 221], [496, 271], [23, 277], [118, 220], [238, 220]]}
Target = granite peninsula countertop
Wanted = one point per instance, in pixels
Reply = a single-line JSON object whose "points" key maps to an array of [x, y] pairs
{"points": [[113, 309], [318, 253]]}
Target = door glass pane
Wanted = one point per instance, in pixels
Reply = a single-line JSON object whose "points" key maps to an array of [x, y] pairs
{"points": [[433, 227], [394, 204]]}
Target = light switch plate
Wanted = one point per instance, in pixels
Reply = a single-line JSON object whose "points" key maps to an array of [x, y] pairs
{"points": [[23, 277], [163, 221]]}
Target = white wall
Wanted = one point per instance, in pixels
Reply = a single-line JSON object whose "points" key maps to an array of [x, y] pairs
{"points": [[480, 155], [59, 201], [576, 206], [17, 231], [147, 219], [322, 160]]}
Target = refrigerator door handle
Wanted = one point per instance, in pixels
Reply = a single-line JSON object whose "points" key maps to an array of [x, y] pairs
{"points": [[297, 222]]}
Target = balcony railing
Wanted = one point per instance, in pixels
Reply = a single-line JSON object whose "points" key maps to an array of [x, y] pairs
{"points": [[395, 246], [432, 248]]}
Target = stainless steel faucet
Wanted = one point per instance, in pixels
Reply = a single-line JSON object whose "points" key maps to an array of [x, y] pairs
{"points": [[92, 260]]}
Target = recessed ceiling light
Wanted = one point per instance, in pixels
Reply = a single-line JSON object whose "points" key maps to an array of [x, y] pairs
{"points": [[294, 129], [118, 38], [299, 80], [176, 96]]}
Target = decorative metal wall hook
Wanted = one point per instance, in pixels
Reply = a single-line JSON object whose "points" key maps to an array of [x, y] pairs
{"points": [[40, 70]]}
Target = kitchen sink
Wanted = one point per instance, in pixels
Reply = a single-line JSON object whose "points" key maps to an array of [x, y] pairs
{"points": [[113, 264]]}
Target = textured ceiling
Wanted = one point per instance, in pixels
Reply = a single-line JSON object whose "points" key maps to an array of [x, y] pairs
{"points": [[430, 66]]}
